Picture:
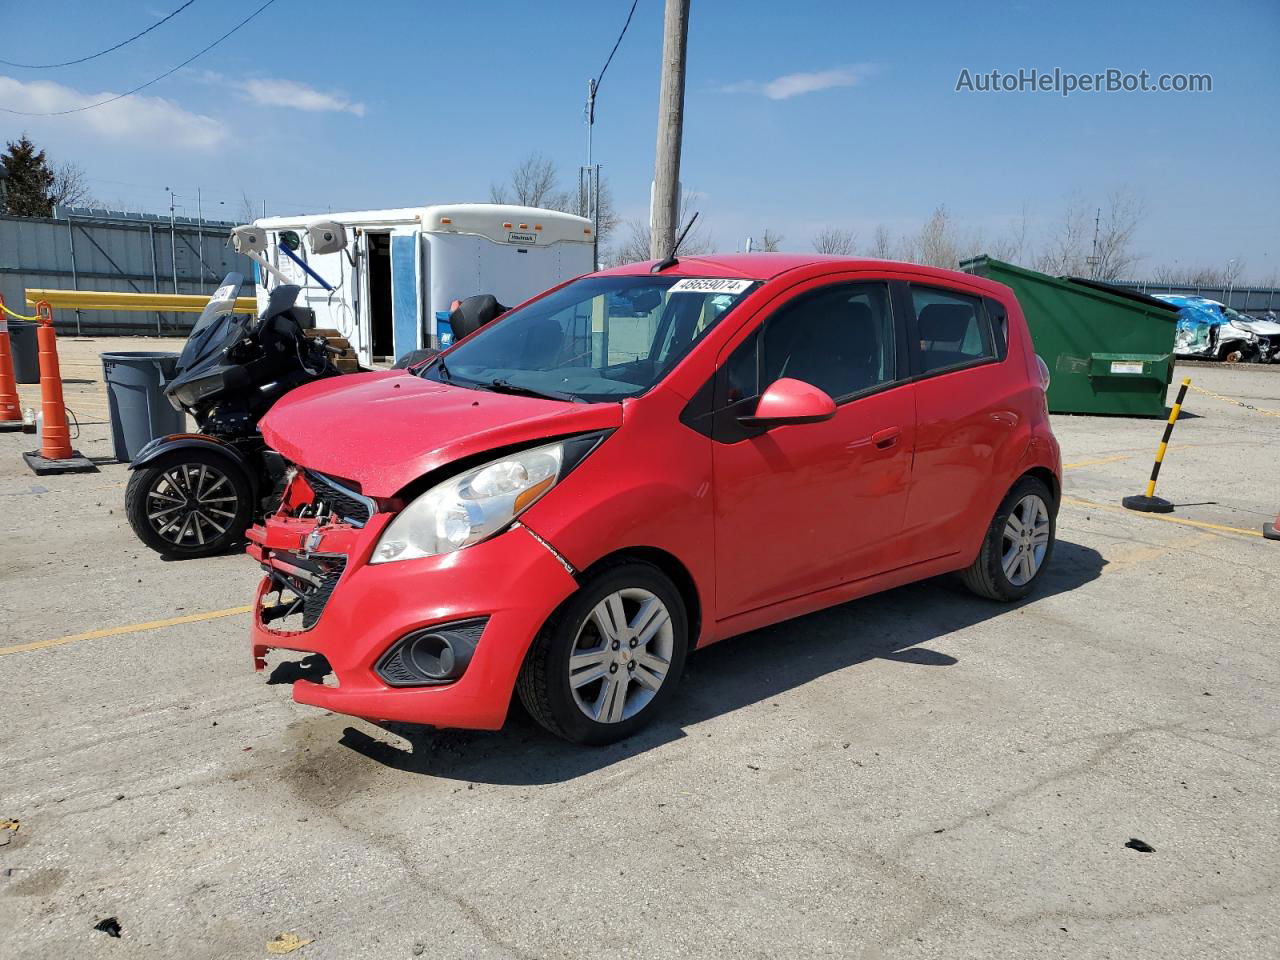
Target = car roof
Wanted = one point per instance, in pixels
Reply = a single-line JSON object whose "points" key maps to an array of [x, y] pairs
{"points": [[767, 266]]}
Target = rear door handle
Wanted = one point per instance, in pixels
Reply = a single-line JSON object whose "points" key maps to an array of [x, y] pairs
{"points": [[886, 438]]}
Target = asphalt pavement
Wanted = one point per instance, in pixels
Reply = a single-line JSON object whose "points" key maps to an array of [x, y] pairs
{"points": [[917, 774]]}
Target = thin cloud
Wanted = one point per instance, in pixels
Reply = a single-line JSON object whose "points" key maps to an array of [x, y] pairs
{"points": [[136, 117], [278, 92], [794, 84]]}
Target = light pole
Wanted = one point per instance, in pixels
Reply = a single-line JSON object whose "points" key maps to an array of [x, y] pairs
{"points": [[173, 241], [1231, 277]]}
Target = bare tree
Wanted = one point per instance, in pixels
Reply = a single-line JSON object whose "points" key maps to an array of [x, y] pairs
{"points": [[1201, 276], [1064, 250], [535, 182], [882, 243], [635, 247], [248, 212], [771, 242], [1119, 222], [1071, 245], [532, 183], [835, 240], [69, 187], [1012, 246]]}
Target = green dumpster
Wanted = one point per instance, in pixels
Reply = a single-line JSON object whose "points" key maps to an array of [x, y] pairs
{"points": [[1109, 350]]}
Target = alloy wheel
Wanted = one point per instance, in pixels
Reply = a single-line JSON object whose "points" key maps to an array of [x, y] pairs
{"points": [[621, 655], [191, 504], [1025, 540]]}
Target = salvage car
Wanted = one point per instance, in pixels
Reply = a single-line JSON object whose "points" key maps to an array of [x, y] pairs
{"points": [[1210, 330], [567, 502]]}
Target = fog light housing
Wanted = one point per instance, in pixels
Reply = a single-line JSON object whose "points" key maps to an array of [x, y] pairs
{"points": [[431, 656]]}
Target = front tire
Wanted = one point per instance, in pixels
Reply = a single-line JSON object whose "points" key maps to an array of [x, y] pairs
{"points": [[1018, 544], [610, 658], [190, 503]]}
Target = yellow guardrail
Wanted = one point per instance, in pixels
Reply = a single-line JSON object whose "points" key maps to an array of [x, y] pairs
{"points": [[141, 302]]}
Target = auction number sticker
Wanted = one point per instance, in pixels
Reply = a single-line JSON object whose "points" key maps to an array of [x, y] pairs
{"points": [[1118, 366], [710, 285]]}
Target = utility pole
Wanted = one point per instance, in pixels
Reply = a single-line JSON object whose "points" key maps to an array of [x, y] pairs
{"points": [[666, 173], [173, 242], [590, 181], [1093, 260], [200, 233]]}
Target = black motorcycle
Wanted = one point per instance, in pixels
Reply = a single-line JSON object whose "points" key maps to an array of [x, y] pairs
{"points": [[195, 494]]}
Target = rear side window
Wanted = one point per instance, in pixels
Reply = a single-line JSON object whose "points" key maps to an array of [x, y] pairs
{"points": [[953, 328]]}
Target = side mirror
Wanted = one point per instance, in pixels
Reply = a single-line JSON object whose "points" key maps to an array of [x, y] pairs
{"points": [[789, 401]]}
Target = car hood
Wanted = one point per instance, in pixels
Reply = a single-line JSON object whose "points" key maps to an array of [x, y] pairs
{"points": [[384, 430], [1263, 328]]}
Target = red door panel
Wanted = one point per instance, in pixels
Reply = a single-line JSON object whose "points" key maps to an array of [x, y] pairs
{"points": [[805, 507]]}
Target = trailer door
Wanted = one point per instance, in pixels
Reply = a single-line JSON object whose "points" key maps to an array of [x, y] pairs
{"points": [[404, 294]]}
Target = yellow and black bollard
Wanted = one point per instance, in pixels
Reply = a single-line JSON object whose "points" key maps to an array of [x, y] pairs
{"points": [[1148, 502]]}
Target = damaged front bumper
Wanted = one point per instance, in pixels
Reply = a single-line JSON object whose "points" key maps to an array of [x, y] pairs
{"points": [[320, 595]]}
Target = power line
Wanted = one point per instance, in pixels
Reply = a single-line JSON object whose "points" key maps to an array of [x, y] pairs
{"points": [[142, 86], [94, 56], [616, 44]]}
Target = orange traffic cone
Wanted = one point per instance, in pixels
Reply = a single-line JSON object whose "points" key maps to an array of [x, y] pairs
{"points": [[10, 411], [1272, 530], [55, 454]]}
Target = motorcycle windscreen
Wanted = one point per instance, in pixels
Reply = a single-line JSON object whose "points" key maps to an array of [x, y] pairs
{"points": [[216, 328]]}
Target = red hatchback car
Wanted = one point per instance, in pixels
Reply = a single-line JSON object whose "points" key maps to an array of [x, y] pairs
{"points": [[639, 463]]}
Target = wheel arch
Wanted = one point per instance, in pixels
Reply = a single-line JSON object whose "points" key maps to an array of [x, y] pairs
{"points": [[180, 442], [1048, 478], [672, 567]]}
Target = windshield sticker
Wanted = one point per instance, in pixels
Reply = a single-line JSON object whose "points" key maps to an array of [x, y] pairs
{"points": [[710, 285]]}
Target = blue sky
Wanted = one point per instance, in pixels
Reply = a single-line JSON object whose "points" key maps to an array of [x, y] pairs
{"points": [[798, 116]]}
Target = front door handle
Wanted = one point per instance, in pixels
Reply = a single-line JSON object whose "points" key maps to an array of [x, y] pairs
{"points": [[886, 438]]}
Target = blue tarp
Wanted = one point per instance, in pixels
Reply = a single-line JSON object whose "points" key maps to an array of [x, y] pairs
{"points": [[1197, 318]]}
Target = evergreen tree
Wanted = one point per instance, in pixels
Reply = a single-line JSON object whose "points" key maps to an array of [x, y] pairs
{"points": [[29, 180]]}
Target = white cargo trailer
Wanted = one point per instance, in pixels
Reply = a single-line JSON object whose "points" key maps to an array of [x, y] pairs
{"points": [[391, 287]]}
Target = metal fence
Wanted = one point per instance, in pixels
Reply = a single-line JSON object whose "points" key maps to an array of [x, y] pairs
{"points": [[1244, 299], [83, 249]]}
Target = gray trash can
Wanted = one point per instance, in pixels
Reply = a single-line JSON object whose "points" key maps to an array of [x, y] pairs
{"points": [[140, 412], [26, 351]]}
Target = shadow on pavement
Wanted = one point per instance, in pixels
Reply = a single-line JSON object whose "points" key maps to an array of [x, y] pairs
{"points": [[726, 676]]}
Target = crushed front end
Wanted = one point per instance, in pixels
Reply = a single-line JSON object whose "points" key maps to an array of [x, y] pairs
{"points": [[435, 640]]}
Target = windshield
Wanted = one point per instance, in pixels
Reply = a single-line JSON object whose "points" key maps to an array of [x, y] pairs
{"points": [[217, 327], [595, 339]]}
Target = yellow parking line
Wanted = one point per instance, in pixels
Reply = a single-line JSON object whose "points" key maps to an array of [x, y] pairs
{"points": [[1118, 456], [129, 628], [1162, 516], [1090, 463]]}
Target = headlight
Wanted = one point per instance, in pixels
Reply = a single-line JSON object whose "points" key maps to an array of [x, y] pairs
{"points": [[471, 506], [193, 391]]}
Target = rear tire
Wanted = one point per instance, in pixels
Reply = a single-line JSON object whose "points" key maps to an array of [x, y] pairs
{"points": [[609, 659], [1008, 565], [190, 503]]}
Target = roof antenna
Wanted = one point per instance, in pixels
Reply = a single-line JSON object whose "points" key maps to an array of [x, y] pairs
{"points": [[671, 260]]}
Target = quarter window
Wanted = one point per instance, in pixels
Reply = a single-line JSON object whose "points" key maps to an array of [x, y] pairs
{"points": [[953, 329]]}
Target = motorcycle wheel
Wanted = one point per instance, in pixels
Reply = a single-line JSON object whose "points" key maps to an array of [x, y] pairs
{"points": [[190, 503]]}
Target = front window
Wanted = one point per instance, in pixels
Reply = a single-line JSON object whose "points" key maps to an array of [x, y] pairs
{"points": [[595, 339]]}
